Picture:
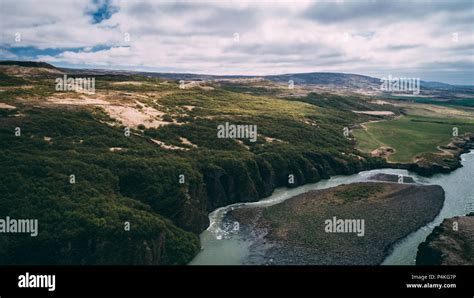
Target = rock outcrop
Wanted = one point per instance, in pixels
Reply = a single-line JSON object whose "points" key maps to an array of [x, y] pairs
{"points": [[451, 243]]}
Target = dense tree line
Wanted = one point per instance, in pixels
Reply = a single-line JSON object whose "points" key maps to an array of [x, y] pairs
{"points": [[84, 222]]}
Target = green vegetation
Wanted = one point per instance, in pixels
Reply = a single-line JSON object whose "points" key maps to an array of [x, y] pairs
{"points": [[457, 102], [366, 141], [358, 191], [411, 135], [6, 80], [83, 223]]}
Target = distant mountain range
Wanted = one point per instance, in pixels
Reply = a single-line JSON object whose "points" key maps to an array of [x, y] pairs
{"points": [[346, 80], [27, 64]]}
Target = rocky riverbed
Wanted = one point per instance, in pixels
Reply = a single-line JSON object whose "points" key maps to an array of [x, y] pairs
{"points": [[297, 230]]}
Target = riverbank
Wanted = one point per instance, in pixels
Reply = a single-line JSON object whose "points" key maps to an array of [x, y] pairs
{"points": [[450, 243], [293, 232]]}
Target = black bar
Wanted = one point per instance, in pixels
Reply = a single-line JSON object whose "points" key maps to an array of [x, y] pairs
{"points": [[238, 280]]}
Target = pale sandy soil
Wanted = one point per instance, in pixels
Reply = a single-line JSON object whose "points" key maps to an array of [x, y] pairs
{"points": [[200, 84], [127, 111], [309, 122], [165, 146], [450, 150], [117, 149], [242, 144], [375, 113], [81, 100], [383, 151], [132, 117], [187, 142], [189, 108], [381, 102], [271, 140], [6, 106]]}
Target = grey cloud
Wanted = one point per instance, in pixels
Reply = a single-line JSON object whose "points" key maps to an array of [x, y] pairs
{"points": [[463, 48], [382, 10], [288, 48], [230, 20], [453, 65], [310, 61], [402, 47], [219, 22], [141, 8]]}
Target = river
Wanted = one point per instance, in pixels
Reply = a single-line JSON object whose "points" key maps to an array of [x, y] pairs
{"points": [[223, 243]]}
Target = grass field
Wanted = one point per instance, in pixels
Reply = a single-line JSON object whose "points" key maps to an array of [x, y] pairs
{"points": [[410, 135], [459, 102]]}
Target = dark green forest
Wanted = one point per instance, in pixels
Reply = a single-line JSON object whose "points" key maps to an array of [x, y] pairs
{"points": [[83, 222]]}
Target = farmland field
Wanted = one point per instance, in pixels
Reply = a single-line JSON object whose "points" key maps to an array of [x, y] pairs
{"points": [[410, 135]]}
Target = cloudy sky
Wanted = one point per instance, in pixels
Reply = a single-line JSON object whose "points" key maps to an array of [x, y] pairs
{"points": [[432, 40]]}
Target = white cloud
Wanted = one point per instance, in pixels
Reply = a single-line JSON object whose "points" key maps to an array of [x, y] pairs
{"points": [[275, 36]]}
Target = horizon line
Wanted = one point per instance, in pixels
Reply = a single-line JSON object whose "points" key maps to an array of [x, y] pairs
{"points": [[228, 75]]}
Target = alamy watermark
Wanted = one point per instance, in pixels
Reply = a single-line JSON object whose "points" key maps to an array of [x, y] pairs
{"points": [[11, 225], [81, 85], [237, 131], [28, 280], [335, 225], [394, 84]]}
